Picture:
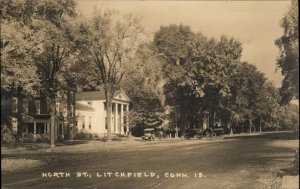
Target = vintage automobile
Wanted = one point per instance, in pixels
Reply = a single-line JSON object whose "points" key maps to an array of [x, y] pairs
{"points": [[192, 133], [199, 133], [149, 134], [219, 131]]}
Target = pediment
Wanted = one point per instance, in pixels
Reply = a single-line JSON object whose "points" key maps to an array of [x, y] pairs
{"points": [[121, 95]]}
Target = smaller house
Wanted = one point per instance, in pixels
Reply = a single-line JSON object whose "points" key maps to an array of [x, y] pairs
{"points": [[91, 115], [30, 117]]}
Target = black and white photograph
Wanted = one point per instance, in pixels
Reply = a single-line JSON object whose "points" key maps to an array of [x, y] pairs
{"points": [[140, 94]]}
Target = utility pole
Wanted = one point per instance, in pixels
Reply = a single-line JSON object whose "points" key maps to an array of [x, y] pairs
{"points": [[176, 136]]}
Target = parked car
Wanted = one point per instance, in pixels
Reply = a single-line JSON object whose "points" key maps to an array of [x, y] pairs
{"points": [[199, 133], [219, 131], [149, 134], [192, 133]]}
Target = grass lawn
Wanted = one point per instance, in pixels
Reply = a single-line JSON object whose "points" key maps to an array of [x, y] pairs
{"points": [[18, 164]]}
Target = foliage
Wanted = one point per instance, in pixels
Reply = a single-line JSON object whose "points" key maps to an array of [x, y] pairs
{"points": [[17, 47], [174, 42], [37, 46], [110, 42], [288, 59], [144, 83], [147, 113], [145, 77]]}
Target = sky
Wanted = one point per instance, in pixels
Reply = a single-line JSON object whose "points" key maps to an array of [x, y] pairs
{"points": [[256, 24]]}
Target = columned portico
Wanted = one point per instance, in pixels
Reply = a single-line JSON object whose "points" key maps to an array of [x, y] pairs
{"points": [[120, 118]]}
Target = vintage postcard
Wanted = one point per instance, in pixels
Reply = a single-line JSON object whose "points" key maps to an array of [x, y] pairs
{"points": [[149, 94]]}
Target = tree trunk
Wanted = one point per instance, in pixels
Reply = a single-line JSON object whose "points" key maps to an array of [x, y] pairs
{"points": [[212, 118], [52, 129], [109, 113], [176, 134], [70, 116], [260, 125], [20, 120], [250, 125], [242, 126]]}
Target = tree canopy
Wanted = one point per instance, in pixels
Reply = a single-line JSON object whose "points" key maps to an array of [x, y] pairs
{"points": [[288, 59]]}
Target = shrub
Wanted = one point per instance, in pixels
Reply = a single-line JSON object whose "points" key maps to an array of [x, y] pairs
{"points": [[83, 136]]}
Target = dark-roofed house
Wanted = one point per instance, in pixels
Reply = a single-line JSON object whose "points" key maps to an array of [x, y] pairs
{"points": [[30, 117], [91, 113]]}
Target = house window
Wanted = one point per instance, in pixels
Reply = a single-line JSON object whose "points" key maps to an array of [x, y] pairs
{"points": [[37, 107], [83, 122], [113, 108], [40, 128], [25, 106], [90, 122], [104, 106], [47, 107], [15, 104]]}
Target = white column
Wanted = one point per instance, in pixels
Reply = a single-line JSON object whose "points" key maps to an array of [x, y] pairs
{"points": [[34, 128], [116, 119], [62, 129], [122, 120], [127, 118]]}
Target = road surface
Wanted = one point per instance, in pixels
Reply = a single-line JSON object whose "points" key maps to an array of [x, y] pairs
{"points": [[233, 163]]}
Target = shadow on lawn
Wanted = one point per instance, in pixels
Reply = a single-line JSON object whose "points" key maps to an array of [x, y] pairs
{"points": [[280, 135], [283, 135]]}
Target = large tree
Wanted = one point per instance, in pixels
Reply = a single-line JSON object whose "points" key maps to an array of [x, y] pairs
{"points": [[18, 47], [110, 42], [58, 48], [288, 59], [174, 43], [212, 68], [144, 83], [36, 44]]}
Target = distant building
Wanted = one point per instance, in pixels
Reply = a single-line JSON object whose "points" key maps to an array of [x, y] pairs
{"points": [[30, 117], [91, 114]]}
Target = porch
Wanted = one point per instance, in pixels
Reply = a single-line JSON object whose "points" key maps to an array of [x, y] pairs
{"points": [[39, 130]]}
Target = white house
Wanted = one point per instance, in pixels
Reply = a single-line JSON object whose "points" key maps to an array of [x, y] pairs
{"points": [[91, 113]]}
